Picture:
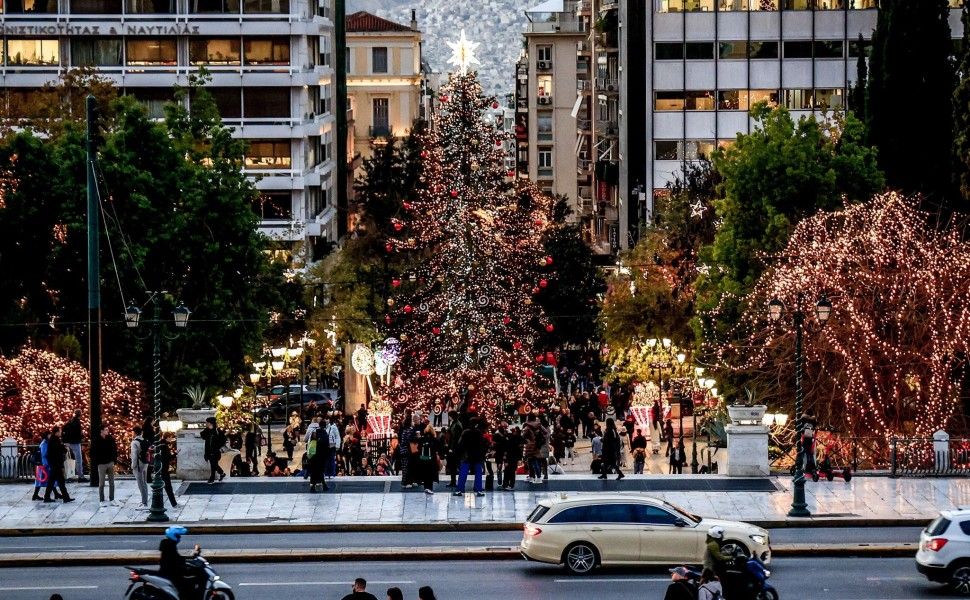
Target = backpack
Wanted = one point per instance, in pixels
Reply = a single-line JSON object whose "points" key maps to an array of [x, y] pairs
{"points": [[540, 438], [311, 448], [143, 448], [714, 594]]}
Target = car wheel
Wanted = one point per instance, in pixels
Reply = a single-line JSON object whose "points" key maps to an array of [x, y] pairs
{"points": [[734, 548], [960, 580], [580, 558], [222, 595]]}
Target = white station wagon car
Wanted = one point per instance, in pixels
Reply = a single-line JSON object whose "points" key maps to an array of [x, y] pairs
{"points": [[944, 550], [582, 532]]}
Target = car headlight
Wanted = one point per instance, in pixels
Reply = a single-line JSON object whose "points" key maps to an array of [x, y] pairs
{"points": [[759, 539]]}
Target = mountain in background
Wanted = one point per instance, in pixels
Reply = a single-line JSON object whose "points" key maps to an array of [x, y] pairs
{"points": [[496, 24]]}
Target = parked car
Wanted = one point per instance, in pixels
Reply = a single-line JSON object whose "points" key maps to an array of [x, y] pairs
{"points": [[944, 550], [313, 402], [615, 529], [278, 390]]}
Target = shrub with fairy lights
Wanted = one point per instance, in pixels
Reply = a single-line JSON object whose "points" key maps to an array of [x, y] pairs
{"points": [[892, 358]]}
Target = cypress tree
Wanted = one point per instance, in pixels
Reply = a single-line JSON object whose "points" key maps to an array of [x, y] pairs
{"points": [[857, 96], [909, 106], [961, 114]]}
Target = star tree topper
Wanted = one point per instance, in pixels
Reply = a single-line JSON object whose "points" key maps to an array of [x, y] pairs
{"points": [[463, 53]]}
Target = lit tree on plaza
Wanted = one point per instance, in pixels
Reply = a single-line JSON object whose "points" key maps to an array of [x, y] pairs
{"points": [[465, 311]]}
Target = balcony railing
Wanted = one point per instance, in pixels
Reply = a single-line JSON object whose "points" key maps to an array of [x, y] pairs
{"points": [[583, 85], [584, 124], [584, 166], [605, 84], [607, 128], [567, 24]]}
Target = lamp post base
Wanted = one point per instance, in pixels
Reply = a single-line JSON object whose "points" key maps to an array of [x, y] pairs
{"points": [[157, 512], [799, 508]]}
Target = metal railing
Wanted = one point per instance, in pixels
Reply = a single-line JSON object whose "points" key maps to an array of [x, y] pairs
{"points": [[17, 463], [917, 457]]}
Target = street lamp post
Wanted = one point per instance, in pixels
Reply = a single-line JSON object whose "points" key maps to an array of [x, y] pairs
{"points": [[181, 314], [823, 310]]}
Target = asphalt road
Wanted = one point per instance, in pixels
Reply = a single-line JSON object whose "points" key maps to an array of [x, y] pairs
{"points": [[796, 579], [419, 539]]}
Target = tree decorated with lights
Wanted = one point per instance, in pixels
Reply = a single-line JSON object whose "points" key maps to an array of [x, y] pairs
{"points": [[465, 313], [892, 358]]}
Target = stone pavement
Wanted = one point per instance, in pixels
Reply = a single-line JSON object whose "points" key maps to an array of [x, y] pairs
{"points": [[865, 498]]}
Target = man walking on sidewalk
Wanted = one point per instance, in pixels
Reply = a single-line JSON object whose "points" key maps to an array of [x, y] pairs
{"points": [[139, 465], [471, 446], [214, 439], [104, 453], [56, 452], [72, 439]]}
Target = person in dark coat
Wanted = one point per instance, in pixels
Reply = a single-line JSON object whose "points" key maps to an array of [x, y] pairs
{"points": [[165, 456], [471, 447], [426, 460], [56, 453], [214, 439], [452, 457], [680, 587], [318, 460], [104, 454], [73, 436], [251, 445], [611, 451], [513, 456]]}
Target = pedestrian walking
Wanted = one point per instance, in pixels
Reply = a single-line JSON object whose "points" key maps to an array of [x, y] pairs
{"points": [[471, 446], [214, 439], [164, 462], [55, 454], [41, 472], [669, 436], [252, 447], [678, 458], [104, 453], [611, 451], [513, 456], [428, 459], [359, 591], [452, 456], [680, 587], [333, 440], [73, 435], [426, 593], [316, 451], [655, 413], [139, 464]]}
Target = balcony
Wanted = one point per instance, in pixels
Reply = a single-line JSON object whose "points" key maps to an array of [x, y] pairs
{"points": [[608, 85], [583, 85], [609, 4], [584, 125], [584, 166], [607, 129], [559, 23]]}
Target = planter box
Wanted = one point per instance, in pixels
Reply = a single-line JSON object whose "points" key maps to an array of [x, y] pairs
{"points": [[747, 415]]}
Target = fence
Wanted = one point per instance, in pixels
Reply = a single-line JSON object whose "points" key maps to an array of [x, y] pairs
{"points": [[16, 463], [915, 457]]}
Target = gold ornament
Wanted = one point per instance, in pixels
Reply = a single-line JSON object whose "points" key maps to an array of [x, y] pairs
{"points": [[390, 301]]}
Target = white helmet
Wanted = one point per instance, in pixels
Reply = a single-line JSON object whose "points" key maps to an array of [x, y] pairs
{"points": [[716, 532]]}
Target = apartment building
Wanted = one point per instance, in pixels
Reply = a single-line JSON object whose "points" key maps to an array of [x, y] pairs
{"points": [[270, 62], [709, 61], [385, 79]]}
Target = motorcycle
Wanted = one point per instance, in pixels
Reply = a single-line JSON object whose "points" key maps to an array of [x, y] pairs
{"points": [[147, 584], [746, 578]]}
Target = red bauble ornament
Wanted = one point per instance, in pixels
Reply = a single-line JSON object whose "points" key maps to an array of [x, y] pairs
{"points": [[396, 282], [498, 143], [535, 291], [444, 98], [436, 330], [550, 328], [506, 320], [454, 193], [425, 154], [510, 174], [508, 367], [548, 261], [387, 319], [540, 358], [389, 247], [398, 226], [494, 105], [538, 222], [528, 372], [408, 309], [407, 205], [424, 373], [543, 283], [517, 345]]}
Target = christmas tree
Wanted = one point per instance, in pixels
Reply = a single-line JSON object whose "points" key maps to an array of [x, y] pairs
{"points": [[465, 313]]}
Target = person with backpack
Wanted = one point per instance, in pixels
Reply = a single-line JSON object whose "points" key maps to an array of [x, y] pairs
{"points": [[165, 456], [316, 451], [427, 459], [139, 465], [710, 588], [214, 439], [611, 451], [680, 587], [54, 461], [333, 439]]}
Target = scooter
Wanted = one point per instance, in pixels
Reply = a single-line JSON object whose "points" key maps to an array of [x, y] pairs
{"points": [[147, 584], [746, 578]]}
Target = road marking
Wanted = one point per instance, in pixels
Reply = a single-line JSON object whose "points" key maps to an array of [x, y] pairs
{"points": [[302, 583], [894, 579], [611, 580], [56, 588]]}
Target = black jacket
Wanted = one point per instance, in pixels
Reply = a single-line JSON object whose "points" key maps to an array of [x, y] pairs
{"points": [[72, 431], [360, 596], [471, 446], [105, 450], [611, 444], [56, 452], [680, 590], [215, 439]]}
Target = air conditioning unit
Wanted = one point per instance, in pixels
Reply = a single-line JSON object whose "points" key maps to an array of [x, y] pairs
{"points": [[545, 65], [545, 100], [611, 87]]}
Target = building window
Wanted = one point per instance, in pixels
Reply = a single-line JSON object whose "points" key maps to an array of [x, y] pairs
{"points": [[731, 100], [137, 7], [864, 47], [829, 49], [732, 50], [96, 52], [544, 86], [268, 154], [381, 124], [228, 101], [30, 6], [96, 7], [798, 99], [732, 5], [544, 54], [699, 100], [828, 4], [698, 149], [224, 7], [670, 6], [798, 4], [863, 4], [379, 60], [151, 52], [669, 51], [763, 5], [278, 7], [545, 162], [800, 49], [667, 150], [769, 96], [668, 101], [266, 102], [828, 98], [154, 99], [32, 52], [763, 50], [326, 50], [274, 206], [699, 50], [544, 128], [686, 5], [214, 51], [267, 51]]}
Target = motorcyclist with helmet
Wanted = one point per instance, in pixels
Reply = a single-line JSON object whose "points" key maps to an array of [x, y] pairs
{"points": [[714, 559], [172, 564]]}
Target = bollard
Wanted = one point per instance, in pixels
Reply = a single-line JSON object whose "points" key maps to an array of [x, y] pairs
{"points": [[941, 451], [8, 458]]}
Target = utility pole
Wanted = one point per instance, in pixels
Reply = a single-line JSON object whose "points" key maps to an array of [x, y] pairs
{"points": [[340, 71], [94, 286]]}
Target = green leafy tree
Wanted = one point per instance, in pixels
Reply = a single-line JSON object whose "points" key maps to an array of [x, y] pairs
{"points": [[780, 173], [912, 66]]}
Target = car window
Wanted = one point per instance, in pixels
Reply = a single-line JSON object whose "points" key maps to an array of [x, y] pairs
{"points": [[938, 526], [965, 527], [651, 515], [613, 513], [537, 513], [577, 514]]}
